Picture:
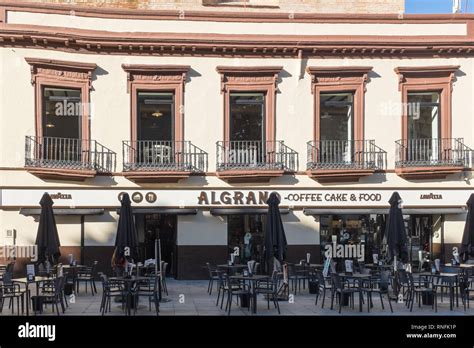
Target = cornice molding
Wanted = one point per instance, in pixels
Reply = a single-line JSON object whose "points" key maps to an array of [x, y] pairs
{"points": [[232, 45]]}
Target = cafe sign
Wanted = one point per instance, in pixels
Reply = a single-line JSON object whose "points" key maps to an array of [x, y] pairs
{"points": [[208, 198]]}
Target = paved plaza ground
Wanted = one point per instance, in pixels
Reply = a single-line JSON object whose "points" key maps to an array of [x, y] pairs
{"points": [[190, 298]]}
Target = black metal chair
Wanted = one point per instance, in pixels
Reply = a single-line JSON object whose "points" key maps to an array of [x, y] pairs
{"points": [[212, 277], [12, 292], [242, 290], [87, 275], [223, 287], [53, 293], [448, 284], [269, 287], [466, 286], [111, 289], [323, 286], [293, 278], [340, 288], [7, 273], [149, 288], [417, 289], [377, 285], [303, 273]]}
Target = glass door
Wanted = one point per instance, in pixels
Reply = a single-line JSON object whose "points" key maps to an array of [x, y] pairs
{"points": [[155, 128], [61, 125], [424, 128], [336, 132], [247, 144]]}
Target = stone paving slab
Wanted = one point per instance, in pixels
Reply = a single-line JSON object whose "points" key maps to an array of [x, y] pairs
{"points": [[190, 298]]}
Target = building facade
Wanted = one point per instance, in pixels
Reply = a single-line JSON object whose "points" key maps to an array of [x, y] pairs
{"points": [[200, 115]]}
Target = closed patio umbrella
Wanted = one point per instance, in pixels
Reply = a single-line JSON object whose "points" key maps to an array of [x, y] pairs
{"points": [[467, 247], [47, 238], [126, 241], [275, 239], [395, 231], [396, 236]]}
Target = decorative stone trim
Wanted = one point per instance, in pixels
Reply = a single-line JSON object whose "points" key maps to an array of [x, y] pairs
{"points": [[170, 78], [336, 79], [250, 79]]}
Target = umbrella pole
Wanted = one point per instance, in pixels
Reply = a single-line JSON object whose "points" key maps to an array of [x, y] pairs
{"points": [[157, 262]]}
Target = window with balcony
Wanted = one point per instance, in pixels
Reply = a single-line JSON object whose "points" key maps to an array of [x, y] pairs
{"points": [[427, 148], [157, 150], [339, 151], [336, 127], [62, 147], [249, 151]]}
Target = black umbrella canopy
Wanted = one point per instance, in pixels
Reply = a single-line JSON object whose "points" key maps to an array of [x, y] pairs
{"points": [[47, 238], [395, 230], [467, 247], [126, 241], [275, 239]]}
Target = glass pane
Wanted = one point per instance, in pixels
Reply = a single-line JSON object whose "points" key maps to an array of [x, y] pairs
{"points": [[336, 128], [354, 230], [423, 115], [155, 116], [247, 116], [246, 232], [336, 116], [62, 112]]}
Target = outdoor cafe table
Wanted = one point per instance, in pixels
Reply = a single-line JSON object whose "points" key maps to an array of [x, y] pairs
{"points": [[380, 267], [37, 281], [461, 266], [445, 275], [231, 269], [73, 269], [310, 266], [359, 278], [253, 279], [128, 281]]}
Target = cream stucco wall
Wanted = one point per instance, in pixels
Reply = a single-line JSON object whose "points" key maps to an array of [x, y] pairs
{"points": [[453, 228], [203, 122], [301, 229], [69, 229], [202, 229], [203, 105]]}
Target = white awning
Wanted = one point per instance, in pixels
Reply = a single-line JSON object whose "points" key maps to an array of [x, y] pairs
{"points": [[406, 211]]}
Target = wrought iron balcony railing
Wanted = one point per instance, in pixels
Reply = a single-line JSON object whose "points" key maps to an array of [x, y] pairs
{"points": [[433, 152], [260, 155], [156, 155], [68, 153], [345, 154]]}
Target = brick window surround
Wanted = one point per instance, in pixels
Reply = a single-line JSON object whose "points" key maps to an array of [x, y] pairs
{"points": [[62, 74], [163, 78], [427, 79], [250, 79], [340, 79]]}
